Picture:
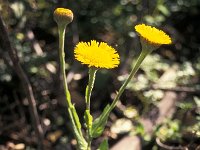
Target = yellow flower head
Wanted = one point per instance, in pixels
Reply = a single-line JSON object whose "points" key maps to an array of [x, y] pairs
{"points": [[96, 54], [63, 16], [153, 35]]}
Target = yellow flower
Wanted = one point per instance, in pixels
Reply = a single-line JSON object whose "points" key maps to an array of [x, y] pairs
{"points": [[96, 54], [153, 35], [63, 16]]}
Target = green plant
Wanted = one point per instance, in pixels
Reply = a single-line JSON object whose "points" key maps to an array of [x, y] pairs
{"points": [[97, 55], [169, 131]]}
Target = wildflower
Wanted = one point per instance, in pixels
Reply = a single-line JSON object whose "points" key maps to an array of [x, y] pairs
{"points": [[153, 35], [96, 54], [63, 16]]}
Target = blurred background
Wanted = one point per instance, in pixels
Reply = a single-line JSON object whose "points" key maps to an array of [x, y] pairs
{"points": [[161, 106]]}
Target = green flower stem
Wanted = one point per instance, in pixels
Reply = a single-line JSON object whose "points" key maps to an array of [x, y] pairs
{"points": [[108, 109], [61, 31], [92, 75], [89, 144], [72, 113], [140, 59]]}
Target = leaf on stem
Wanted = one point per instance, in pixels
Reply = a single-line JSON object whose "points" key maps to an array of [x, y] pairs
{"points": [[88, 119], [75, 116], [82, 144], [100, 123], [68, 95], [104, 145], [86, 93]]}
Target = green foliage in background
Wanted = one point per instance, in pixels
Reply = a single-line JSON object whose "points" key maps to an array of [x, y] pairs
{"points": [[111, 21]]}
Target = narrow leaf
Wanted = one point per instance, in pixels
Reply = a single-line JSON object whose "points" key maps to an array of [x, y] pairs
{"points": [[100, 123], [88, 119], [78, 134], [104, 145], [75, 116], [68, 95], [86, 93]]}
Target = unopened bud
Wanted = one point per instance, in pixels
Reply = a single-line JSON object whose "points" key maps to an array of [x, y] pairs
{"points": [[63, 16]]}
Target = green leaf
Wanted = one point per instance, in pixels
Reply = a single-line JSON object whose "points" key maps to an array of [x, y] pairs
{"points": [[104, 145], [164, 10], [68, 95], [140, 129], [86, 93], [100, 123], [88, 119], [76, 118], [82, 144]]}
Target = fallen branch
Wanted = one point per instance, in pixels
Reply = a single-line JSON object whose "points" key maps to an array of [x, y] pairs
{"points": [[6, 45]]}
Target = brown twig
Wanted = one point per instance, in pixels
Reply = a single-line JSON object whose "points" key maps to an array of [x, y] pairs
{"points": [[6, 45]]}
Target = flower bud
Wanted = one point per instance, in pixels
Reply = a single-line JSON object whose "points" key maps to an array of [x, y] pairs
{"points": [[63, 16]]}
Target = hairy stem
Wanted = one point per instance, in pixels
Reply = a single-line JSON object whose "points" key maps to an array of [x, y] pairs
{"points": [[92, 75], [71, 110], [137, 65]]}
